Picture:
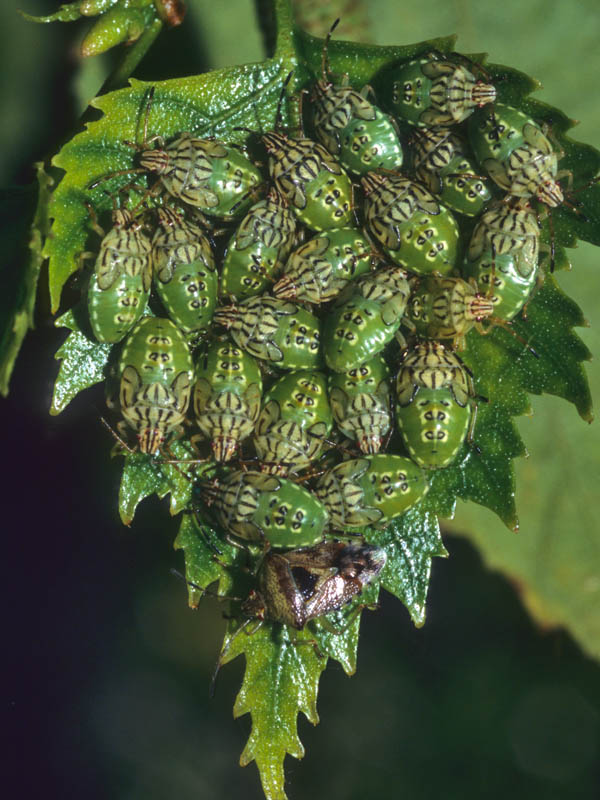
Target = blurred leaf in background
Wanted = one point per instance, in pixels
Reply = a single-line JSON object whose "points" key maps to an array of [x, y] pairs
{"points": [[554, 562]]}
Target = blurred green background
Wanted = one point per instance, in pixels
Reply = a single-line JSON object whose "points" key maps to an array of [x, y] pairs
{"points": [[111, 671]]}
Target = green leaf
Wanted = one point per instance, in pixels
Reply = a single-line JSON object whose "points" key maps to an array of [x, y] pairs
{"points": [[207, 558], [283, 668], [25, 223], [83, 362], [282, 676], [281, 680], [410, 542], [144, 475], [210, 105], [553, 563]]}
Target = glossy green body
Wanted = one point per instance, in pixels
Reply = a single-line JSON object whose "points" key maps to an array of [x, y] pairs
{"points": [[184, 272], [502, 257], [360, 402], [433, 404], [433, 91], [227, 397], [311, 180], [365, 318], [205, 174], [265, 508], [156, 371], [120, 284], [516, 153], [442, 165], [280, 332], [294, 421], [370, 490], [415, 230], [115, 310], [258, 249], [318, 270], [446, 308], [355, 131]]}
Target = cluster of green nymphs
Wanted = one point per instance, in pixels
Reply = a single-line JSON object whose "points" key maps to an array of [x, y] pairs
{"points": [[310, 317]]}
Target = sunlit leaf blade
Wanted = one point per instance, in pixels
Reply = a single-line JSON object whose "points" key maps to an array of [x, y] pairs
{"points": [[170, 472], [213, 104], [23, 226], [207, 558], [363, 63], [551, 317], [83, 363], [281, 679], [410, 541]]}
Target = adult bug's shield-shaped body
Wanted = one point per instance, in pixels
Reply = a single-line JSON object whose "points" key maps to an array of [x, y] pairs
{"points": [[301, 585], [434, 91], [227, 397], [156, 374], [263, 508], [370, 490], [415, 230], [184, 271], [434, 404], [120, 284]]}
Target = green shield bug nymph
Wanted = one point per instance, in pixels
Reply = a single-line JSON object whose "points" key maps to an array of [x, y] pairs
{"points": [[205, 174], [442, 165], [301, 585], [258, 248], [516, 153], [227, 397], [434, 91], [352, 128], [415, 230], [293, 423], [319, 269], [265, 509], [120, 283], [365, 318], [184, 271], [360, 402], [502, 257], [370, 490], [311, 180], [434, 404], [156, 374], [446, 308], [275, 330]]}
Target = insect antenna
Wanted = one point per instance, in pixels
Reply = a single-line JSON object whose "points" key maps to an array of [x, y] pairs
{"points": [[324, 59], [281, 96]]}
